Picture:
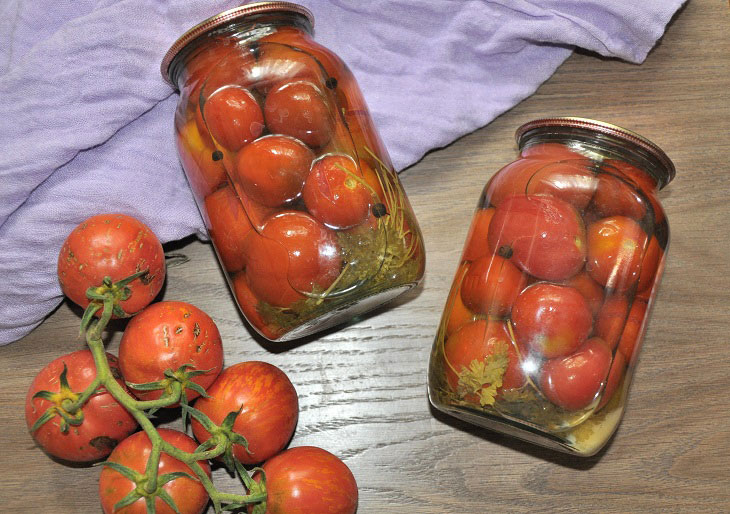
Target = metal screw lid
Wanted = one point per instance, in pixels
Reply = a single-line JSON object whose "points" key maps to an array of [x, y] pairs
{"points": [[224, 17], [600, 127]]}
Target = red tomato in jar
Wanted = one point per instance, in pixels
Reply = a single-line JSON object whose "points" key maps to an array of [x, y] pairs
{"points": [[229, 226], [335, 193], [117, 246], [574, 381], [105, 422], [278, 62], [633, 330], [650, 265], [233, 117], [458, 313], [491, 285], [639, 177], [203, 166], [551, 152], [293, 254], [615, 374], [611, 318], [299, 109], [308, 480], [551, 319], [167, 335], [615, 249], [189, 495], [542, 235], [272, 169], [269, 408], [248, 304], [589, 288], [476, 241], [572, 181], [479, 341], [616, 197]]}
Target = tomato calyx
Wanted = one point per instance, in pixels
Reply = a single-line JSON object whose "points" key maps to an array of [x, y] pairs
{"points": [[66, 403], [109, 294], [140, 491], [222, 435]]}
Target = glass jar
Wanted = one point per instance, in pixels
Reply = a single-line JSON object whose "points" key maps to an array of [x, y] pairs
{"points": [[309, 221], [543, 324]]}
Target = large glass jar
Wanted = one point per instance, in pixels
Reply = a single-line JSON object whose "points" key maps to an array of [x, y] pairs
{"points": [[310, 222], [543, 324]]}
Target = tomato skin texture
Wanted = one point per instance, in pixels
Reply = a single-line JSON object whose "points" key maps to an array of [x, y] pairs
{"points": [[269, 403], [459, 314], [491, 285], [476, 242], [334, 197], [272, 169], [277, 63], [550, 319], [476, 341], [105, 423], [248, 302], [615, 374], [615, 248], [542, 235], [299, 109], [134, 452], [229, 226], [196, 154], [589, 288], [308, 480], [633, 330], [650, 265], [572, 382], [233, 117], [611, 318], [293, 254], [114, 245], [614, 197], [167, 335]]}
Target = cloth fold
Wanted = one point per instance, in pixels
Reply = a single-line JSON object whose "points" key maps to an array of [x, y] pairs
{"points": [[86, 119]]}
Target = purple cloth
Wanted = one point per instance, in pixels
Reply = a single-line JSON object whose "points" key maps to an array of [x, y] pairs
{"points": [[86, 119]]}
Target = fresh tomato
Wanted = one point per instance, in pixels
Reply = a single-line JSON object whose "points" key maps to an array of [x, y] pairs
{"points": [[308, 480], [189, 495], [634, 330], [105, 422], [589, 288], [616, 197], [117, 246], [335, 193], [166, 336], [611, 318], [229, 226], [479, 342], [299, 109], [272, 169], [269, 408], [491, 285], [294, 254], [476, 241], [615, 248], [550, 319], [233, 117], [248, 304], [458, 313], [615, 374], [574, 381], [542, 235], [572, 181]]}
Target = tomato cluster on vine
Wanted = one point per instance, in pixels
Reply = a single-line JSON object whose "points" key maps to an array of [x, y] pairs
{"points": [[555, 279], [90, 405]]}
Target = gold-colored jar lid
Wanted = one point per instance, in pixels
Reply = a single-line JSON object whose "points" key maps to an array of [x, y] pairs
{"points": [[223, 18], [599, 127]]}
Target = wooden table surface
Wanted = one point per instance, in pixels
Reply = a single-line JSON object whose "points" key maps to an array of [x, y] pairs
{"points": [[362, 388]]}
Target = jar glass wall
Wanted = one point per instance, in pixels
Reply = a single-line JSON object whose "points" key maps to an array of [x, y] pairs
{"points": [[543, 324], [310, 222]]}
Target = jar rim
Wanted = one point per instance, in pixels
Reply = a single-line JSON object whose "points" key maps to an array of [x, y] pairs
{"points": [[609, 129], [224, 17]]}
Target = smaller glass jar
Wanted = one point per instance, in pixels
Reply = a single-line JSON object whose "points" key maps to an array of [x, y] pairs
{"points": [[309, 220], [543, 324]]}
